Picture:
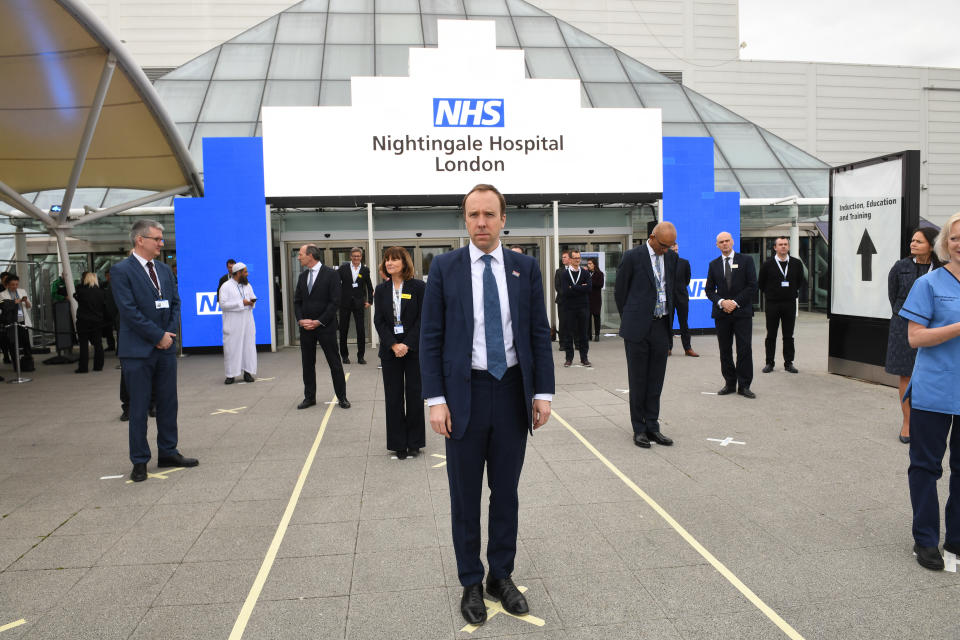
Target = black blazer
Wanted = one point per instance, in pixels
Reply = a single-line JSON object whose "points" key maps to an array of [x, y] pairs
{"points": [[321, 303], [410, 309], [741, 291], [635, 291], [683, 280], [91, 308], [575, 296], [770, 277], [354, 298]]}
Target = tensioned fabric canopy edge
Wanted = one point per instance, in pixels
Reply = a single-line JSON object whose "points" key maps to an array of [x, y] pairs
{"points": [[52, 55]]}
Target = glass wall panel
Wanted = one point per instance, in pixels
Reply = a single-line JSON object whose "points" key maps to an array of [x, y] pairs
{"points": [[486, 7], [521, 8], [343, 61], [313, 6], [429, 30], [814, 183], [200, 68], [182, 98], [638, 72], [296, 62], [446, 7], [711, 111], [291, 93], [242, 62], [724, 180], [506, 35], [351, 6], [584, 98], [685, 130], [612, 94], [186, 131], [598, 65], [743, 146], [670, 98], [538, 32], [217, 130], [393, 60], [576, 38], [335, 93], [263, 33], [399, 29], [232, 101], [302, 28], [119, 196], [551, 63], [790, 155], [398, 6], [350, 28], [46, 199], [773, 183]]}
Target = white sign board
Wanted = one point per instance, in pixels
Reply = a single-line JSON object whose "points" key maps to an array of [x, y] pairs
{"points": [[865, 238], [465, 115]]}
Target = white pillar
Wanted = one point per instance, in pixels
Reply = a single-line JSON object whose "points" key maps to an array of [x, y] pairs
{"points": [[272, 305], [795, 229], [372, 261], [556, 255], [66, 270], [20, 255]]}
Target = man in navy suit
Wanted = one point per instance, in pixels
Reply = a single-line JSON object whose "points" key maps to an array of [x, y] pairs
{"points": [[731, 284], [487, 372], [645, 292], [148, 309]]}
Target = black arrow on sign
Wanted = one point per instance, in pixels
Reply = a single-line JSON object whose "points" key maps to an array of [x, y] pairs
{"points": [[866, 251]]}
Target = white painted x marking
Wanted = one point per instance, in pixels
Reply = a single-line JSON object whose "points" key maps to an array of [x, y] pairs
{"points": [[493, 608], [234, 411]]}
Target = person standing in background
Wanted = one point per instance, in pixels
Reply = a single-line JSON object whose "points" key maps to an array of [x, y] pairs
{"points": [[356, 293], [226, 276], [560, 329], [239, 331], [575, 289], [91, 316], [682, 305], [596, 295], [780, 280]]}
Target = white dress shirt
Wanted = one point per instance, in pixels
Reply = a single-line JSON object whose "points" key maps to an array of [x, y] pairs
{"points": [[316, 272], [355, 270], [723, 261], [143, 263], [478, 357]]}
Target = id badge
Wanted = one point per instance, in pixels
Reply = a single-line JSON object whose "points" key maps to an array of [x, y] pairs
{"points": [[397, 329], [355, 285], [662, 296], [163, 304], [734, 266], [784, 284]]}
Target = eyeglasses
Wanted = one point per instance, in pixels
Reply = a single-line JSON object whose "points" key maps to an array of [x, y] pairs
{"points": [[158, 239]]}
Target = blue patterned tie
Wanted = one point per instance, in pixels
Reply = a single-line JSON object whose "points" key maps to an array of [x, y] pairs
{"points": [[492, 323], [661, 308]]}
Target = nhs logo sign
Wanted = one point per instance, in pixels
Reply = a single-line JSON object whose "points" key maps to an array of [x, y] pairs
{"points": [[468, 112], [697, 289], [207, 304]]}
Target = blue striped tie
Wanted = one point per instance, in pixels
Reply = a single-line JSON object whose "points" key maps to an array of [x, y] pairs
{"points": [[492, 322]]}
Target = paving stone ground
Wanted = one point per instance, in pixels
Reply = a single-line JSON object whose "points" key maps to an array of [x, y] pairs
{"points": [[811, 513]]}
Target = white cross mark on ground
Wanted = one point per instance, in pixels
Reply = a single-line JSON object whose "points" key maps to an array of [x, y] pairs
{"points": [[234, 410], [161, 475], [441, 464], [623, 390], [493, 608], [950, 562], [725, 441]]}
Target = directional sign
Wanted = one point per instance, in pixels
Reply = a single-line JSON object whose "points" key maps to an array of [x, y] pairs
{"points": [[866, 251]]}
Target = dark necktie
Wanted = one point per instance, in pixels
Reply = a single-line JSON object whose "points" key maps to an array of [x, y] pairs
{"points": [[728, 272], [310, 282], [153, 275], [492, 322]]}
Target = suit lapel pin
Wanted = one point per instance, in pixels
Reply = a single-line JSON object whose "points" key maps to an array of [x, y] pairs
{"points": [[516, 274]]}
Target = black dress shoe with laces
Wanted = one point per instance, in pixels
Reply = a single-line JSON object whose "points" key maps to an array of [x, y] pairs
{"points": [[659, 438], [641, 440], [509, 596], [247, 377], [727, 390], [176, 460], [344, 404], [767, 368], [306, 403], [929, 557], [790, 368], [360, 360], [472, 607], [746, 393], [139, 473]]}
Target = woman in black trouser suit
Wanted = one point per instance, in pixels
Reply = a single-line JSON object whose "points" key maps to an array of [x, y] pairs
{"points": [[397, 305], [91, 311]]}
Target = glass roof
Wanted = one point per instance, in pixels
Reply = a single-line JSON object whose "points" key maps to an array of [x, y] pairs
{"points": [[306, 55]]}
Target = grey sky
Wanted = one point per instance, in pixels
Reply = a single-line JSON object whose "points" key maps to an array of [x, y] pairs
{"points": [[917, 32]]}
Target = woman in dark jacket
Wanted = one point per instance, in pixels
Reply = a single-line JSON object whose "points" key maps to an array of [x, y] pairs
{"points": [[596, 295], [91, 313], [398, 302], [900, 356]]}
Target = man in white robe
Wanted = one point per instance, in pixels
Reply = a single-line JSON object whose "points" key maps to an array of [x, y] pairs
{"points": [[239, 332]]}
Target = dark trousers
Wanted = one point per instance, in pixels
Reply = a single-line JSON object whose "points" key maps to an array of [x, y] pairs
{"points": [[154, 375], [682, 309], [741, 328], [596, 325], [402, 392], [108, 336], [26, 354], [780, 313], [646, 368], [928, 442], [496, 437], [86, 338], [308, 359], [577, 327], [345, 315]]}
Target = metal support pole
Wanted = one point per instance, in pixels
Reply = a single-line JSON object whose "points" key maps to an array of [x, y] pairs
{"points": [[372, 262], [66, 270], [89, 129], [16, 353], [153, 197], [20, 249], [27, 207], [795, 229]]}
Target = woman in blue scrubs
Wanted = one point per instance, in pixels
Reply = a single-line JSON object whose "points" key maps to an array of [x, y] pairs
{"points": [[933, 312]]}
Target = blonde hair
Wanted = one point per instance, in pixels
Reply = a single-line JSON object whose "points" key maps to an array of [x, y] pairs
{"points": [[941, 247], [90, 279]]}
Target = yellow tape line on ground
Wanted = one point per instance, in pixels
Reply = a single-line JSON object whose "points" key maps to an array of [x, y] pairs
{"points": [[13, 625], [709, 557], [241, 624]]}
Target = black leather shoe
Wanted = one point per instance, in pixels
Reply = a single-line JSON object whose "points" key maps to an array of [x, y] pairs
{"points": [[306, 403], [413, 453], [767, 368], [509, 596], [247, 377], [746, 393], [346, 361], [401, 454], [659, 438], [567, 363], [904, 439], [124, 416], [790, 368], [929, 557], [641, 440], [344, 404], [472, 607], [727, 390], [139, 473], [360, 360], [176, 460], [586, 363], [228, 381]]}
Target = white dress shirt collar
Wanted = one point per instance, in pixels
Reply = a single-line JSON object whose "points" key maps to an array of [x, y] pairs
{"points": [[476, 253]]}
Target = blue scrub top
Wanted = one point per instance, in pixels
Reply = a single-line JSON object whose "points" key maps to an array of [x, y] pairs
{"points": [[934, 301]]}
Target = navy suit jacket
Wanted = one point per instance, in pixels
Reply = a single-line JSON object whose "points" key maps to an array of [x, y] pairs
{"points": [[635, 291], [446, 332], [142, 325], [741, 291]]}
